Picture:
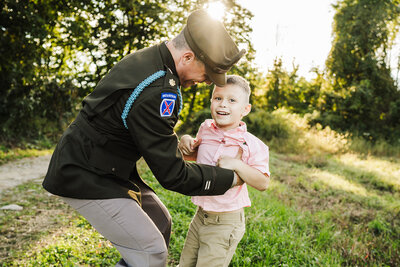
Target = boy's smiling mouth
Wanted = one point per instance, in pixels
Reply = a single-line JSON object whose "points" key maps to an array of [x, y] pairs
{"points": [[222, 113]]}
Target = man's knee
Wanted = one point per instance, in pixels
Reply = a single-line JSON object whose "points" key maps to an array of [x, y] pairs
{"points": [[144, 258], [159, 259]]}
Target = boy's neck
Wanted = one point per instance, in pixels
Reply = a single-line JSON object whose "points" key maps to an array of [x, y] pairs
{"points": [[226, 130]]}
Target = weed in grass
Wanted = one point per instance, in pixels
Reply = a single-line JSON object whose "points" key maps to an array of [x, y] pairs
{"points": [[378, 227], [78, 244], [311, 161], [42, 215]]}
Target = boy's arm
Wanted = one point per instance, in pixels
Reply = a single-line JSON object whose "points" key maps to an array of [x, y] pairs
{"points": [[248, 174]]}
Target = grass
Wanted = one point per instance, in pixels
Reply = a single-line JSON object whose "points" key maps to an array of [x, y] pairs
{"points": [[356, 201], [332, 202], [335, 210], [10, 154]]}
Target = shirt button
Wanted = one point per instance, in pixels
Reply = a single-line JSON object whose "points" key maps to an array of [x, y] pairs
{"points": [[113, 169]]}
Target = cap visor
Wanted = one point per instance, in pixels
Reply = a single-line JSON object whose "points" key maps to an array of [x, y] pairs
{"points": [[219, 79]]}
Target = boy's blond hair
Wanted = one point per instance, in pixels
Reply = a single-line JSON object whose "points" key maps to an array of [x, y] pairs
{"points": [[241, 82]]}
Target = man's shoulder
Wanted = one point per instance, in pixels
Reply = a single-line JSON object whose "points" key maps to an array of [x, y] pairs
{"points": [[146, 60]]}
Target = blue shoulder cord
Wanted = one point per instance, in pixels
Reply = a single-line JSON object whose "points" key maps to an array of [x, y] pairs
{"points": [[146, 82]]}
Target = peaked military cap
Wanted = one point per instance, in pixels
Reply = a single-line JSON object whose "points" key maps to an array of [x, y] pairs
{"points": [[212, 44]]}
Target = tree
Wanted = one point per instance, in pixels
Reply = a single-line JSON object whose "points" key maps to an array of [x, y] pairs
{"points": [[287, 89], [26, 58], [53, 53], [364, 98]]}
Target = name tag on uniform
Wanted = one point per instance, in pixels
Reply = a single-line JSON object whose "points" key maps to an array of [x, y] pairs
{"points": [[167, 104]]}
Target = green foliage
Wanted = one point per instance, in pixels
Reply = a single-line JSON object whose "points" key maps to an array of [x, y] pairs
{"points": [[53, 53], [269, 125], [290, 133], [191, 126], [30, 68], [364, 96], [356, 94], [285, 89], [379, 148], [196, 99], [362, 31]]}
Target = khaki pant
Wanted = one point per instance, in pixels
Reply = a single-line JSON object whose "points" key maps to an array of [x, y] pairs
{"points": [[140, 233], [212, 239]]}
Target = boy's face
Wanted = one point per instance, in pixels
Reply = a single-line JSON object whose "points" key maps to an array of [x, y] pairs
{"points": [[229, 104]]}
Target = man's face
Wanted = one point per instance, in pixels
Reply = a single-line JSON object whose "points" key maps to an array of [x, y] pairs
{"points": [[228, 106], [191, 71]]}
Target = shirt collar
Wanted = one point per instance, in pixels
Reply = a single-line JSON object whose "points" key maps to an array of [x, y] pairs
{"points": [[242, 128], [167, 58]]}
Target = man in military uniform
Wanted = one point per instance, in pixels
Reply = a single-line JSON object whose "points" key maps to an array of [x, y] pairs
{"points": [[131, 114]]}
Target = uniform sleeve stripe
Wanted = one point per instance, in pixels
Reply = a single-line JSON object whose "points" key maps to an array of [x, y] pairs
{"points": [[207, 186]]}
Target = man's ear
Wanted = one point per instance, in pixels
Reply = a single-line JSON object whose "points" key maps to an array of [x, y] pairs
{"points": [[247, 110], [188, 57]]}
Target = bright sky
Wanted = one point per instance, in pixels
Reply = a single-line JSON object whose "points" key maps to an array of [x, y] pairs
{"points": [[299, 31]]}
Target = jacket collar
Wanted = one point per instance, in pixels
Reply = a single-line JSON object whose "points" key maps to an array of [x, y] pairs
{"points": [[167, 58], [242, 128]]}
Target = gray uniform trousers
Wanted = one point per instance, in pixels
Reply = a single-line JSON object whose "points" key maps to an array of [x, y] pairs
{"points": [[140, 234]]}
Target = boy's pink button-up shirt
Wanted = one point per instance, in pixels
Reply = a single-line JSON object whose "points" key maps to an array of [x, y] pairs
{"points": [[216, 143]]}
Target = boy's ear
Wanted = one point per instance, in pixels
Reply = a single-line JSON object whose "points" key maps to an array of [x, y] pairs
{"points": [[247, 110]]}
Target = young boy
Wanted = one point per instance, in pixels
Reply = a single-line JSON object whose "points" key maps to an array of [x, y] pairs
{"points": [[219, 222]]}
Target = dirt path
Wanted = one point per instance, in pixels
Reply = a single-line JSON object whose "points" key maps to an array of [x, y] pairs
{"points": [[19, 171]]}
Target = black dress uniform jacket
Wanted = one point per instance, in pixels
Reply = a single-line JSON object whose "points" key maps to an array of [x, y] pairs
{"points": [[96, 156]]}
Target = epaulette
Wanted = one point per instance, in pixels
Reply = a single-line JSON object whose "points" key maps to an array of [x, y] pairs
{"points": [[146, 82]]}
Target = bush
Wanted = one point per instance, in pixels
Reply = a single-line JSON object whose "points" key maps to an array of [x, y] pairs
{"points": [[280, 129], [269, 125], [377, 148], [191, 125], [290, 133]]}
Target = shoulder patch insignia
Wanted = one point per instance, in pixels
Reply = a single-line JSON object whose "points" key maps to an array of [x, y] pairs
{"points": [[167, 104]]}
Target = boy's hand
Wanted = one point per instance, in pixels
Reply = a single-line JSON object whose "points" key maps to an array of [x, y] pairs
{"points": [[232, 164], [188, 145], [228, 162]]}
